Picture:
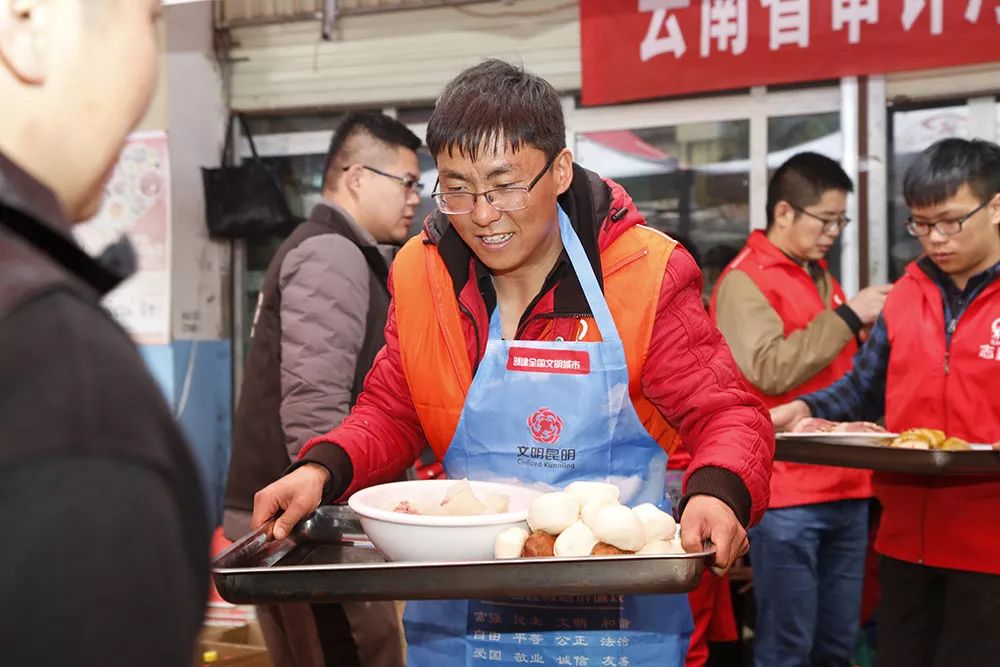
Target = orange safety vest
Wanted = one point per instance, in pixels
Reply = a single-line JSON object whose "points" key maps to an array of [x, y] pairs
{"points": [[435, 352]]}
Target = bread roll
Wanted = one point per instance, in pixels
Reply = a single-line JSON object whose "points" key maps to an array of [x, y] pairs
{"points": [[539, 544], [919, 438], [553, 512], [510, 543], [602, 549], [575, 542], [955, 445], [618, 526], [658, 525]]}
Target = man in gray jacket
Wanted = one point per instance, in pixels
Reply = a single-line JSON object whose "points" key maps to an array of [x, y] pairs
{"points": [[318, 326]]}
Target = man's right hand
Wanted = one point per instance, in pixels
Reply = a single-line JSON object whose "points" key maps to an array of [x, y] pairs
{"points": [[867, 304], [295, 496], [786, 416]]}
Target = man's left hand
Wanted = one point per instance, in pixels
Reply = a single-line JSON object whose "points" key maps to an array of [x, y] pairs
{"points": [[708, 518]]}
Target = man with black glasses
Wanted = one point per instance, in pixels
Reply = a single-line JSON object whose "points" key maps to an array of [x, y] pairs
{"points": [[933, 360], [537, 307], [792, 330], [318, 326]]}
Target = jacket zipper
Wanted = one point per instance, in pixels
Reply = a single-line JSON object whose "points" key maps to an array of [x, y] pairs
{"points": [[949, 337], [475, 330]]}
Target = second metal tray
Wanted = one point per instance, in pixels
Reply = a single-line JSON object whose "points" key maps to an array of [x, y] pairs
{"points": [[887, 459], [328, 559]]}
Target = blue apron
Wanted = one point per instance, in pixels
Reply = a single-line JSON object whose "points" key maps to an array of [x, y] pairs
{"points": [[546, 414]]}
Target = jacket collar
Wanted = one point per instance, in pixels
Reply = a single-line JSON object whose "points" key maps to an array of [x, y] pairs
{"points": [[925, 271], [323, 212], [31, 211], [768, 255]]}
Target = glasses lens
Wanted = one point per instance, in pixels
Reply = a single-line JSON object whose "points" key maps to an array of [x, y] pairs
{"points": [[917, 228], [454, 202], [510, 199], [949, 227]]}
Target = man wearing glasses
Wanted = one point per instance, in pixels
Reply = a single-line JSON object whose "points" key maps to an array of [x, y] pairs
{"points": [[933, 360], [792, 330], [318, 327], [540, 332]]}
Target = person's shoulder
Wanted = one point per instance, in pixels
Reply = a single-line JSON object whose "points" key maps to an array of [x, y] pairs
{"points": [[332, 252], [80, 378]]}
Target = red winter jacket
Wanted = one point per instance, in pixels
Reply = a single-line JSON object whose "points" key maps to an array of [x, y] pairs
{"points": [[689, 375], [951, 522]]}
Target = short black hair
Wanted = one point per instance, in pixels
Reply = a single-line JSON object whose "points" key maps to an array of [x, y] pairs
{"points": [[937, 172], [381, 128], [496, 101], [803, 179]]}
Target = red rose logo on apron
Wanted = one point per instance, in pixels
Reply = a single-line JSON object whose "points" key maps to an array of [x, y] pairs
{"points": [[546, 426]]}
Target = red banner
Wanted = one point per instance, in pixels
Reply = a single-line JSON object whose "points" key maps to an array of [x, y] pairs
{"points": [[640, 49]]}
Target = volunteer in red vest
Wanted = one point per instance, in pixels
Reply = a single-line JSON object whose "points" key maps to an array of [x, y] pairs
{"points": [[540, 333], [791, 331], [933, 360]]}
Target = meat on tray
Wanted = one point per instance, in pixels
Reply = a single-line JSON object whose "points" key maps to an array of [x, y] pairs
{"points": [[817, 425]]}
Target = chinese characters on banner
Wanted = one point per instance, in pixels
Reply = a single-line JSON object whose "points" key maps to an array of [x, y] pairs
{"points": [[672, 47], [137, 204]]}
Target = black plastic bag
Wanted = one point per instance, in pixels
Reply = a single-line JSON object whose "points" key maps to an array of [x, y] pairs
{"points": [[244, 201]]}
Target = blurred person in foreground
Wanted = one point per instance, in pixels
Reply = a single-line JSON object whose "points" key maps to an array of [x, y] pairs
{"points": [[106, 561], [318, 327], [933, 361], [531, 255], [792, 330]]}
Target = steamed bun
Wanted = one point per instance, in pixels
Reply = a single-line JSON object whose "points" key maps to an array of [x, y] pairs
{"points": [[575, 542], [590, 509], [618, 526], [510, 543], [657, 547], [658, 524], [553, 512]]}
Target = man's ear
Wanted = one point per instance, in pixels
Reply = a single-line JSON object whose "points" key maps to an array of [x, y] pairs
{"points": [[994, 209], [23, 30], [562, 169], [350, 180], [784, 214]]}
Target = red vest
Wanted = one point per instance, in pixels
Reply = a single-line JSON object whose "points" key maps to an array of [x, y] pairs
{"points": [[951, 522], [795, 298]]}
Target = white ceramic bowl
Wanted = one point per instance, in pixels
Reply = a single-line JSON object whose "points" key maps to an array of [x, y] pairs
{"points": [[414, 537]]}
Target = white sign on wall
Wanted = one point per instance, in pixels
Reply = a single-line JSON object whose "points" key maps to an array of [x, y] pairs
{"points": [[137, 204]]}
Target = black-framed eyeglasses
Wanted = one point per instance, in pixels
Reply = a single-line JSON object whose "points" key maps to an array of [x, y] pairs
{"points": [[943, 227], [512, 198], [830, 225], [410, 183]]}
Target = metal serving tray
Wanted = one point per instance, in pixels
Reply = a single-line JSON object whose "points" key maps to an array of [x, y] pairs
{"points": [[800, 449], [327, 559]]}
